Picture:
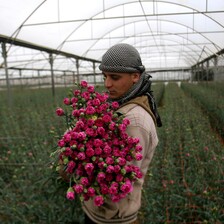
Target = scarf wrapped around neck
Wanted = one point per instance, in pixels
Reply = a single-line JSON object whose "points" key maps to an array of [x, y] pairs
{"points": [[142, 87]]}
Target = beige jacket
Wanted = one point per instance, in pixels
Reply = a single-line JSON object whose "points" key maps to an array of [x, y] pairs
{"points": [[142, 125]]}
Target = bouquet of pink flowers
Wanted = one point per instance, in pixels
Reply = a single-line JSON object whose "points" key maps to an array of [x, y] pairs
{"points": [[95, 152]]}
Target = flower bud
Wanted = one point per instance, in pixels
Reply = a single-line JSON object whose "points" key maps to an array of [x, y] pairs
{"points": [[123, 171], [65, 160], [73, 147]]}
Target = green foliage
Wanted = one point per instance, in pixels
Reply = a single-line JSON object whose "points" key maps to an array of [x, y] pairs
{"points": [[210, 97], [185, 180]]}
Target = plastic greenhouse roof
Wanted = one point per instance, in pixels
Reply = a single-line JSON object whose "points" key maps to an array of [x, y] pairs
{"points": [[168, 33]]}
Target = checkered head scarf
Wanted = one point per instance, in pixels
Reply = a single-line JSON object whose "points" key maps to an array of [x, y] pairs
{"points": [[124, 58]]}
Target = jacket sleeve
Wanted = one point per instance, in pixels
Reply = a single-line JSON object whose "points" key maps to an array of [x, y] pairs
{"points": [[142, 126]]}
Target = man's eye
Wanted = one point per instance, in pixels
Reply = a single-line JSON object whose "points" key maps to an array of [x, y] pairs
{"points": [[115, 77]]}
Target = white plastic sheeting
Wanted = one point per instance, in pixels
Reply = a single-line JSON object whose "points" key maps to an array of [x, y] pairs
{"points": [[167, 33]]}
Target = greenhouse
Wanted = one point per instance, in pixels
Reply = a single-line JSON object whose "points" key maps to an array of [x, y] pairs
{"points": [[50, 46]]}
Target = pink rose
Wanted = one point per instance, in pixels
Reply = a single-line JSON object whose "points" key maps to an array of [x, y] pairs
{"points": [[107, 150], [61, 143], [76, 92], [67, 137], [84, 84], [75, 135], [78, 188], [127, 187], [86, 197], [103, 107], [70, 195], [98, 151], [101, 131], [97, 142], [103, 97], [82, 136], [109, 161], [128, 169], [89, 167], [119, 177], [138, 148], [110, 169], [68, 151], [116, 141], [90, 110], [71, 166], [113, 189], [74, 100], [60, 112], [90, 132], [91, 191], [138, 156], [126, 121], [98, 200], [121, 161], [90, 89], [139, 174], [84, 181], [112, 126], [76, 113], [109, 177], [99, 123], [90, 152], [90, 122], [106, 118], [115, 198], [80, 124], [136, 140], [101, 165], [66, 101], [129, 158], [115, 105], [104, 188], [79, 172], [96, 102], [122, 127], [81, 156], [116, 152], [86, 95], [100, 177], [117, 168]]}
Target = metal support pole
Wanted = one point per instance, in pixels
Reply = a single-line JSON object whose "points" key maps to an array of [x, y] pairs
{"points": [[94, 72], [38, 74], [4, 55], [77, 68], [207, 70], [64, 75], [20, 78], [51, 61], [73, 76]]}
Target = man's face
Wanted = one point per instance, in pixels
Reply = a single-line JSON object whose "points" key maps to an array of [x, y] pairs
{"points": [[118, 84]]}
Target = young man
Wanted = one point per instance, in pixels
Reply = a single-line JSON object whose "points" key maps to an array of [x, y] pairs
{"points": [[129, 85]]}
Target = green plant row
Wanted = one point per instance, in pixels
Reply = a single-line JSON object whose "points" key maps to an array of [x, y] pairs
{"points": [[216, 86], [158, 91], [211, 101], [185, 181], [28, 192]]}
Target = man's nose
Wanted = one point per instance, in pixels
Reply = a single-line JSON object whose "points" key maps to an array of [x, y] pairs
{"points": [[107, 83]]}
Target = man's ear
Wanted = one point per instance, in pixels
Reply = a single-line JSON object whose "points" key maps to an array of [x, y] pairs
{"points": [[135, 77]]}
